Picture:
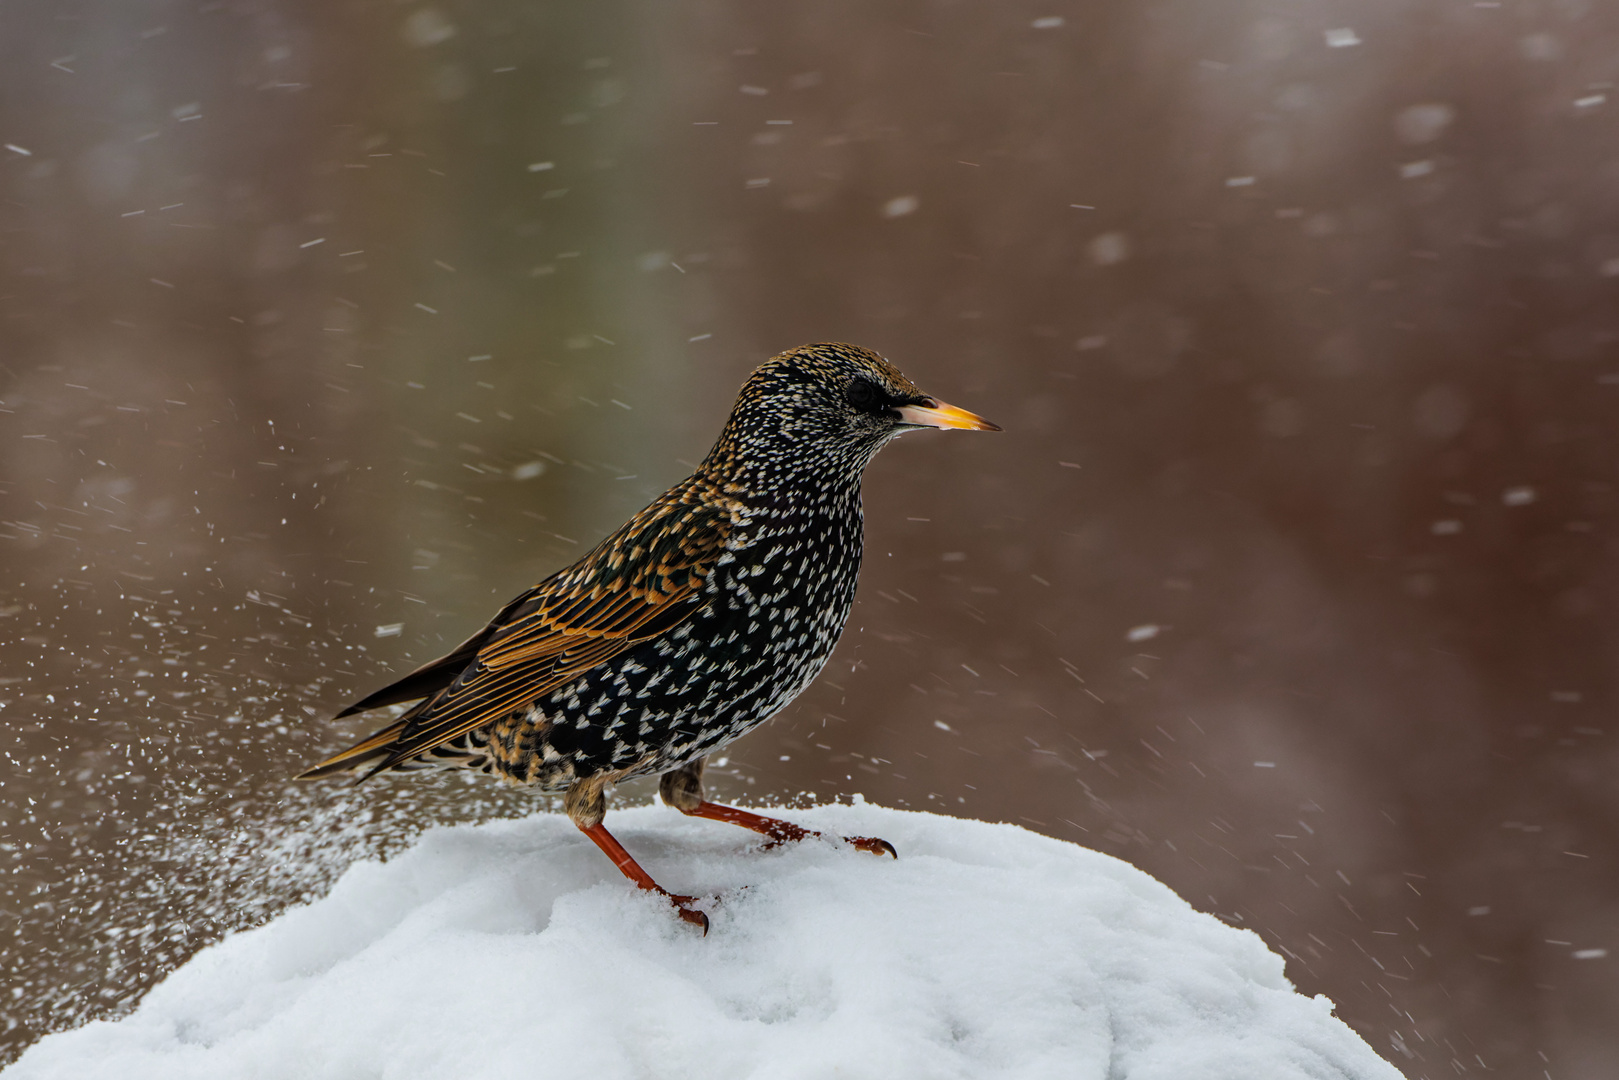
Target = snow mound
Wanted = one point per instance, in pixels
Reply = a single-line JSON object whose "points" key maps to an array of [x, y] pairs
{"points": [[514, 949]]}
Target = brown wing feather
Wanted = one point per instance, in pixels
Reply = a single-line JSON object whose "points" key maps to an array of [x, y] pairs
{"points": [[640, 582]]}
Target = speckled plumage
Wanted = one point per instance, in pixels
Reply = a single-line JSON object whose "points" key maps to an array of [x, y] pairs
{"points": [[695, 622]]}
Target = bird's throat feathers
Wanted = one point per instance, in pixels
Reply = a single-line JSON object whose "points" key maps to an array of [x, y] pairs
{"points": [[787, 465]]}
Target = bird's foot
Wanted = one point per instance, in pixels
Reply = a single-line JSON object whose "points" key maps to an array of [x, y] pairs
{"points": [[873, 845], [778, 832], [684, 907]]}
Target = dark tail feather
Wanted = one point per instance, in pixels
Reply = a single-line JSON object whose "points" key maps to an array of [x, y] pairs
{"points": [[381, 750], [425, 681], [435, 675], [378, 747]]}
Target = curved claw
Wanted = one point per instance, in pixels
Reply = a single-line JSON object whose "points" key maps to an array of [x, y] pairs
{"points": [[873, 845], [687, 913]]}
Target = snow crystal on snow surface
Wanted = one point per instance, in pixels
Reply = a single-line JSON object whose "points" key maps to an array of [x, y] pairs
{"points": [[514, 949]]}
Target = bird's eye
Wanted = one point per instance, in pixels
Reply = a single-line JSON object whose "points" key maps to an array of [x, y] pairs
{"points": [[865, 396]]}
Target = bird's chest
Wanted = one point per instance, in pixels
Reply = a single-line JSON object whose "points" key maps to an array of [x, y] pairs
{"points": [[786, 592]]}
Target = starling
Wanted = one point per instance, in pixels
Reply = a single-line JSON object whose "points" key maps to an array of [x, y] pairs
{"points": [[695, 622]]}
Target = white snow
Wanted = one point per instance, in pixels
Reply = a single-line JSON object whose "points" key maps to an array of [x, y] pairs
{"points": [[515, 949]]}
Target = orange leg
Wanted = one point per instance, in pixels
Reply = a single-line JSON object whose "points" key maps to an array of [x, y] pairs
{"points": [[779, 832], [632, 870]]}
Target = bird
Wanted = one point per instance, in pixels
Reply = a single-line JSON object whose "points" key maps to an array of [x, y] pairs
{"points": [[696, 621]]}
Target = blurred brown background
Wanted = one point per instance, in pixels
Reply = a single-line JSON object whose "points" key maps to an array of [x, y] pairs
{"points": [[326, 327]]}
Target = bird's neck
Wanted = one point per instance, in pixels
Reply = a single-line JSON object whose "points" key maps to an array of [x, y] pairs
{"points": [[802, 477]]}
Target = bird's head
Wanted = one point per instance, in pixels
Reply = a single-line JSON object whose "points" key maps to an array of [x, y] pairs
{"points": [[826, 407]]}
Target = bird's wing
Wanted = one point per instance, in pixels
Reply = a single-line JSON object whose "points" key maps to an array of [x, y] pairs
{"points": [[641, 582]]}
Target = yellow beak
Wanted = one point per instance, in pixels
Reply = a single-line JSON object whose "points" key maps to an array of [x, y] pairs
{"points": [[939, 415]]}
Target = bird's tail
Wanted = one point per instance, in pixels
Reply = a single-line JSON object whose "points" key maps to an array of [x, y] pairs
{"points": [[374, 749]]}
